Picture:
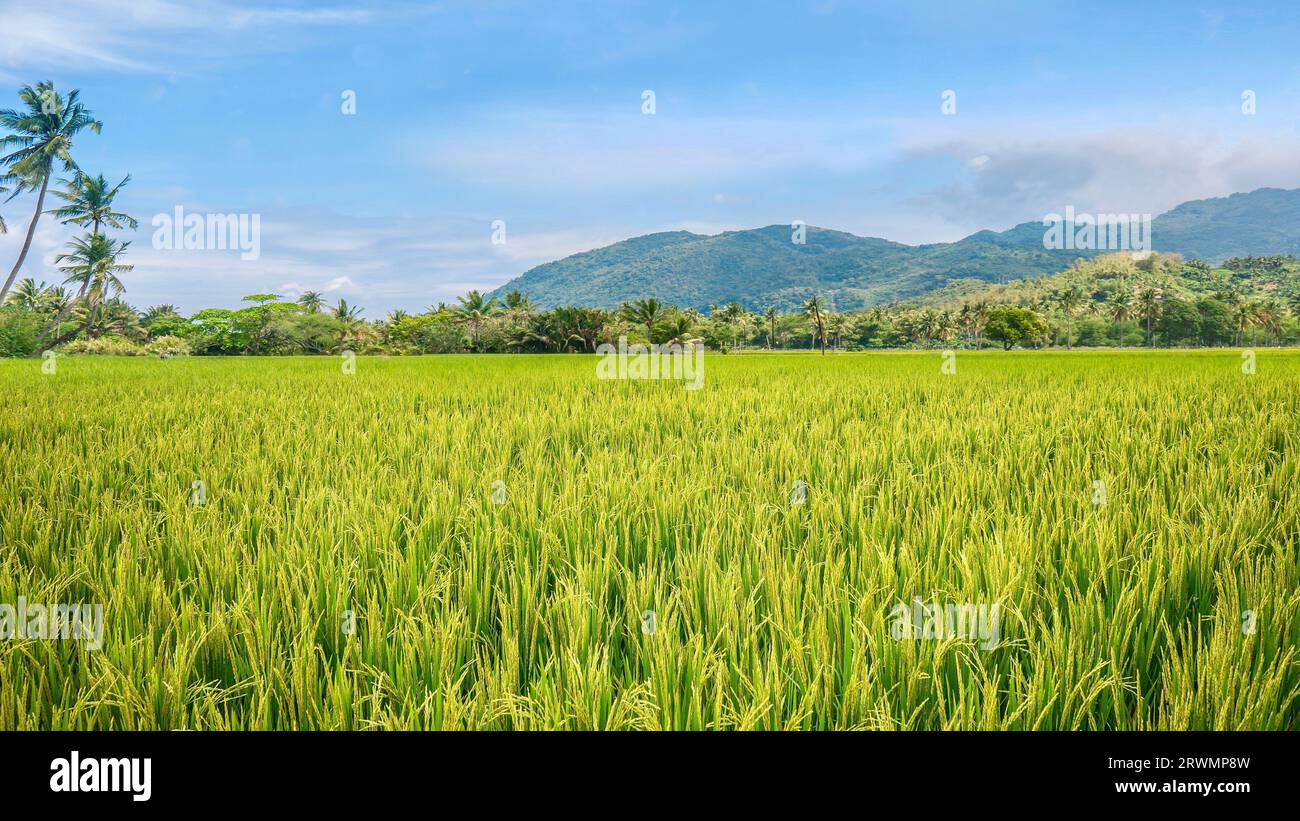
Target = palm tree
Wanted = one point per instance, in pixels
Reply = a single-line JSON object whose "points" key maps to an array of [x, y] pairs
{"points": [[1244, 315], [473, 312], [1069, 300], [4, 229], [94, 265], [1121, 309], [837, 325], [979, 318], [155, 313], [347, 312], [1149, 308], [931, 325], [90, 201], [28, 295], [732, 315], [581, 325], [311, 301], [813, 310], [647, 312], [965, 321], [678, 328], [42, 135], [518, 305], [351, 326], [112, 316], [771, 315], [1268, 315], [56, 300]]}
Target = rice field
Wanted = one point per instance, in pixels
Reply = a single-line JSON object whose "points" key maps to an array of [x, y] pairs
{"points": [[507, 542]]}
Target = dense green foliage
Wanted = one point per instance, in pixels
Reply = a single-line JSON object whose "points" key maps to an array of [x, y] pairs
{"points": [[1172, 605], [1157, 300], [1010, 326], [1111, 301]]}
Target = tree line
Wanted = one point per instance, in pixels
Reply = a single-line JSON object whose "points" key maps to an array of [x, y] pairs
{"points": [[1159, 300]]}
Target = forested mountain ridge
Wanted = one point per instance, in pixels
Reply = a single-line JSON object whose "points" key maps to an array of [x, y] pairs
{"points": [[764, 267]]}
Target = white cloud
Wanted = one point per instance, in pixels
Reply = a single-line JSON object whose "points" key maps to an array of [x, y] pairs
{"points": [[1147, 170]]}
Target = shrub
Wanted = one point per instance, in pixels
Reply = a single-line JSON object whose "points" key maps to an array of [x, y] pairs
{"points": [[104, 346], [18, 330], [167, 346]]}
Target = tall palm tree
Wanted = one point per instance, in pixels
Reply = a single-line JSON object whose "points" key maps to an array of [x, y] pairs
{"points": [[1149, 308], [1068, 300], [42, 135], [771, 315], [93, 263], [813, 309], [1121, 308], [979, 318], [311, 301], [473, 312]]}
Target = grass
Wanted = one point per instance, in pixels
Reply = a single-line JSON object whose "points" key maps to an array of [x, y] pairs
{"points": [[372, 493]]}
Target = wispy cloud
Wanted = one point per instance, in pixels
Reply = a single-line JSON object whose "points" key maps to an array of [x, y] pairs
{"points": [[147, 35], [578, 148]]}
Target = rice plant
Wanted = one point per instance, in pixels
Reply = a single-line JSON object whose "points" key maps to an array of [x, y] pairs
{"points": [[468, 542]]}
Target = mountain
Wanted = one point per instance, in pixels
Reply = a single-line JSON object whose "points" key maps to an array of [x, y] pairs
{"points": [[1262, 223], [763, 266]]}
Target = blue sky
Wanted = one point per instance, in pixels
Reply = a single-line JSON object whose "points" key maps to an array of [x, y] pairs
{"points": [[822, 111]]}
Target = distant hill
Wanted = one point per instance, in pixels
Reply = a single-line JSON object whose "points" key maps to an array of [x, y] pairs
{"points": [[762, 267], [1273, 278]]}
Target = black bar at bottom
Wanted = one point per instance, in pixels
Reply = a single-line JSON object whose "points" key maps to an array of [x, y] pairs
{"points": [[337, 771]]}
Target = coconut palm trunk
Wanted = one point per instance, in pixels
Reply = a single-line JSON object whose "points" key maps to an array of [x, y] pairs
{"points": [[27, 242], [59, 340]]}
